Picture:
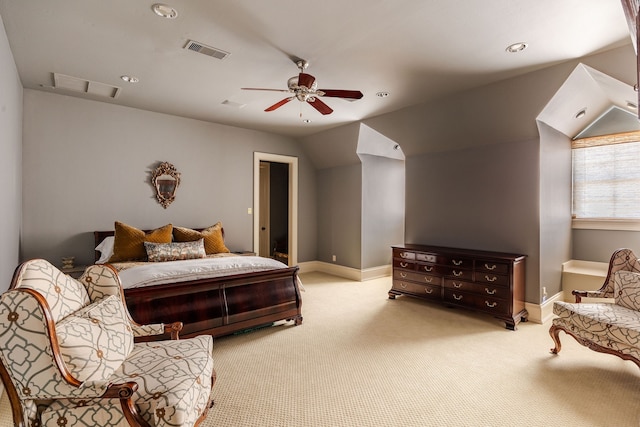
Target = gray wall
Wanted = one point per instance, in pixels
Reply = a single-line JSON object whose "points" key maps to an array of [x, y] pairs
{"points": [[10, 162], [598, 245], [479, 198], [555, 207], [89, 164], [340, 215], [383, 192]]}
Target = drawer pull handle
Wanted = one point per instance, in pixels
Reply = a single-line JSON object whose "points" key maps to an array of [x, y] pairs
{"points": [[490, 279], [428, 279], [456, 297], [491, 305], [428, 290], [404, 255], [404, 264], [428, 268], [456, 262], [403, 285], [457, 273], [457, 285], [490, 267], [490, 292], [403, 275]]}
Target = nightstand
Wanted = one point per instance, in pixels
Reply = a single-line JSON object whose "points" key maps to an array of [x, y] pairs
{"points": [[75, 271]]}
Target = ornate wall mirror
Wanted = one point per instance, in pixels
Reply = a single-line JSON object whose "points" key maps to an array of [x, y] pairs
{"points": [[165, 180]]}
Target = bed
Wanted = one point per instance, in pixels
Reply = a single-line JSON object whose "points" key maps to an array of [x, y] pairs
{"points": [[217, 300]]}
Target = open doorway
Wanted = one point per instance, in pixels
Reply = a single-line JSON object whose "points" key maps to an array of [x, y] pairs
{"points": [[276, 207]]}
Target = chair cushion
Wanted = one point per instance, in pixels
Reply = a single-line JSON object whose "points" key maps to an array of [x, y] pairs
{"points": [[63, 293], [95, 340], [626, 289], [597, 339], [610, 321], [174, 379]]}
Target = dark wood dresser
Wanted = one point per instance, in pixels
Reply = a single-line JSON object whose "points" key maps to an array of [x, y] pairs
{"points": [[489, 282]]}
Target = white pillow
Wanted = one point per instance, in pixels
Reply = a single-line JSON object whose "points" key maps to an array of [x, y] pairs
{"points": [[106, 249]]}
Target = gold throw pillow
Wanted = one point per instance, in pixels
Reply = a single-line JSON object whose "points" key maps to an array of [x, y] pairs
{"points": [[213, 238], [128, 244]]}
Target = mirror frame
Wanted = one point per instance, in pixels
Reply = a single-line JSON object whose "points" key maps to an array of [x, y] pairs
{"points": [[165, 168]]}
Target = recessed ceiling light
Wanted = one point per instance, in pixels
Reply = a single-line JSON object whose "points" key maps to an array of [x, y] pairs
{"points": [[165, 11], [382, 94], [130, 79], [517, 47], [306, 120], [580, 114]]}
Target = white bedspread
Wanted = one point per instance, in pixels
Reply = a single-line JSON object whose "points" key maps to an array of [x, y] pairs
{"points": [[156, 273]]}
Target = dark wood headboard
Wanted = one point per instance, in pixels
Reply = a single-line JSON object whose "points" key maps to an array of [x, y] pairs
{"points": [[98, 236]]}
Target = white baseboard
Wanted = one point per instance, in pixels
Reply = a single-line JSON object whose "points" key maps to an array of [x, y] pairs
{"points": [[345, 272]]}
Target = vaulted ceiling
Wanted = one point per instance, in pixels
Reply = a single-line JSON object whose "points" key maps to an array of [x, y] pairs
{"points": [[414, 50]]}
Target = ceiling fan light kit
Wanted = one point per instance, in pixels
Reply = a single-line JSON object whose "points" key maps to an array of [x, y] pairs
{"points": [[304, 88]]}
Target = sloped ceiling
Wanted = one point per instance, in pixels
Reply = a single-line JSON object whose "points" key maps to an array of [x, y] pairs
{"points": [[593, 92], [416, 50]]}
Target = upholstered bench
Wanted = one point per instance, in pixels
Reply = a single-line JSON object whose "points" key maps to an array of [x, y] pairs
{"points": [[608, 327], [69, 355]]}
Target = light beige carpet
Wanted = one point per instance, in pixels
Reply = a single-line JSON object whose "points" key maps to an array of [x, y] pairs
{"points": [[360, 359]]}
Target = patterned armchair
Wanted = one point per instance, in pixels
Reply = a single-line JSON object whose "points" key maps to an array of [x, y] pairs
{"points": [[608, 327], [69, 358], [621, 260]]}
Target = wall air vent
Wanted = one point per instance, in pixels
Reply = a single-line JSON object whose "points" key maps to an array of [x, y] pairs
{"points": [[206, 50], [87, 87]]}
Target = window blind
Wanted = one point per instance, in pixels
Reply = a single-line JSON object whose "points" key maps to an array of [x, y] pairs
{"points": [[606, 178]]}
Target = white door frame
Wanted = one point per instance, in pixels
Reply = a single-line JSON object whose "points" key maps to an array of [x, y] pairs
{"points": [[293, 201]]}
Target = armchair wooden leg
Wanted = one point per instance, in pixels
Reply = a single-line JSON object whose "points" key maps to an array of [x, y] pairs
{"points": [[554, 331]]}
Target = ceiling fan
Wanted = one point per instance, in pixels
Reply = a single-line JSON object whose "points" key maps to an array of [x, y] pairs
{"points": [[303, 87]]}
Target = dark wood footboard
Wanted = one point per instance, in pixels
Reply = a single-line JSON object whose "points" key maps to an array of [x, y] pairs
{"points": [[220, 306]]}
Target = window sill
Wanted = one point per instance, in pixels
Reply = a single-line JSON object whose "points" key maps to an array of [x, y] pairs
{"points": [[606, 224]]}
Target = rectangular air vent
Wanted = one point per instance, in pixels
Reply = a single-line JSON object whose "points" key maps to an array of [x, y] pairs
{"points": [[206, 50]]}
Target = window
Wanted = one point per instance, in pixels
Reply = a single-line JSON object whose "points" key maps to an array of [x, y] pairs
{"points": [[606, 177]]}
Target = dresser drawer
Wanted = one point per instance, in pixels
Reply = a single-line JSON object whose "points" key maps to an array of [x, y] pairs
{"points": [[491, 267], [430, 268], [492, 279], [487, 290], [458, 261], [478, 302], [404, 264], [399, 253], [425, 279], [424, 291], [459, 273]]}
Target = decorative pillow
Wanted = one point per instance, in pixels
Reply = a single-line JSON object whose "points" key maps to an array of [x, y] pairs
{"points": [[626, 288], [157, 252], [128, 244], [95, 340], [213, 238], [106, 249]]}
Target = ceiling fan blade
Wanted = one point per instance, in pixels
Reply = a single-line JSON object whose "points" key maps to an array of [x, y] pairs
{"points": [[306, 80], [339, 93], [270, 90], [320, 106], [278, 104]]}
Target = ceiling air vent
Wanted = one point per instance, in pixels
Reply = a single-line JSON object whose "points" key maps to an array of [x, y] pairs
{"points": [[84, 86], [206, 50]]}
